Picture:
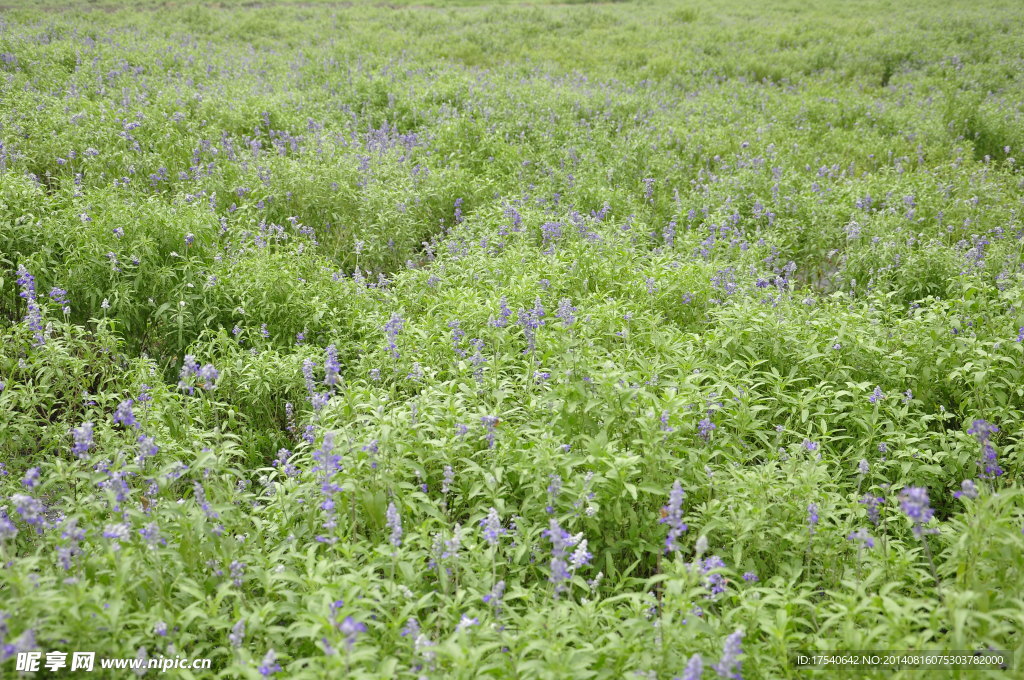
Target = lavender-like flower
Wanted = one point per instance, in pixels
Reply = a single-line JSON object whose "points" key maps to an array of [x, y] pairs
{"points": [[705, 427], [729, 665], [566, 312], [392, 328], [31, 478], [8, 530], [351, 629], [492, 529], [237, 633], [491, 424], [554, 488], [494, 597], [60, 296], [83, 440], [694, 669], [876, 396], [983, 431], [561, 541], [873, 503], [448, 480], [394, 522], [270, 666], [812, 517], [124, 415], [914, 502], [672, 515], [30, 509], [34, 314], [332, 367], [862, 537], [968, 489]]}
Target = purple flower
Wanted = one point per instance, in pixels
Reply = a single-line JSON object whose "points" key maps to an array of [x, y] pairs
{"points": [[492, 529], [237, 573], [30, 509], [494, 597], [810, 446], [332, 367], [269, 666], [160, 628], [33, 315], [392, 328], [491, 423], [914, 502], [448, 480], [714, 581], [967, 490], [876, 396], [503, 314], [863, 467], [83, 440], [237, 633], [983, 431], [351, 629], [705, 427], [394, 522], [147, 448], [750, 577], [31, 478], [566, 312], [60, 296], [151, 534], [124, 416], [672, 515], [729, 665], [873, 503], [554, 488], [561, 541], [8, 530], [863, 537], [694, 669], [812, 517]]}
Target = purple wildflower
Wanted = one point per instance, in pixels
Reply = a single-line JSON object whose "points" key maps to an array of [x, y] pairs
{"points": [[351, 629], [968, 489], [31, 478], [705, 427], [863, 538], [812, 517], [492, 529], [237, 633], [914, 502], [83, 439], [694, 669], [392, 328], [566, 312], [983, 431], [873, 503], [491, 423], [672, 515], [876, 396], [729, 665], [270, 666], [124, 415], [33, 315], [394, 522]]}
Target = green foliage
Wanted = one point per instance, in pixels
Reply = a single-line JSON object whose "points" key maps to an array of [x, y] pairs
{"points": [[448, 261]]}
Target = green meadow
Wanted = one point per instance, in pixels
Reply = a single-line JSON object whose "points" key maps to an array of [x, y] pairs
{"points": [[654, 340]]}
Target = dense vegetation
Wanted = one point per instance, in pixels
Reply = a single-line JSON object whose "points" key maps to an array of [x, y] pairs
{"points": [[539, 341]]}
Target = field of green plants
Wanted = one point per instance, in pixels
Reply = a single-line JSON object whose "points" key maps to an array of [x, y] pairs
{"points": [[651, 339]]}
